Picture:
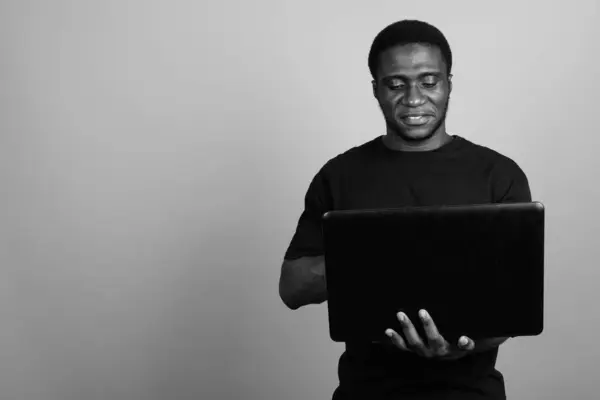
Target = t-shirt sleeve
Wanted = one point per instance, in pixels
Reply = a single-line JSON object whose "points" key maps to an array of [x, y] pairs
{"points": [[308, 239], [511, 184]]}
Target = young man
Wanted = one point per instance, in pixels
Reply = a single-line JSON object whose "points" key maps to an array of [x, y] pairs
{"points": [[416, 163]]}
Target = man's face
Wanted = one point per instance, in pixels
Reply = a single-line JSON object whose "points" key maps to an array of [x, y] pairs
{"points": [[413, 89]]}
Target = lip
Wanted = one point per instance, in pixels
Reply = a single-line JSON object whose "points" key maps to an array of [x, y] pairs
{"points": [[416, 115], [423, 119]]}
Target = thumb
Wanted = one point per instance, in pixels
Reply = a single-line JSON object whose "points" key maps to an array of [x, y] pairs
{"points": [[464, 343]]}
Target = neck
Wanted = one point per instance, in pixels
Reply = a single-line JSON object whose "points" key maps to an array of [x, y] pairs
{"points": [[395, 142]]}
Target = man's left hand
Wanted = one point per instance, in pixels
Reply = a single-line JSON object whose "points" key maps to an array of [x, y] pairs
{"points": [[435, 346]]}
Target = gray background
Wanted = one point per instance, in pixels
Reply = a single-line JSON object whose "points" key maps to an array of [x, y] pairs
{"points": [[153, 162]]}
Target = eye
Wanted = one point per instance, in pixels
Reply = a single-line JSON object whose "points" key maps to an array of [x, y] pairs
{"points": [[395, 84], [430, 84]]}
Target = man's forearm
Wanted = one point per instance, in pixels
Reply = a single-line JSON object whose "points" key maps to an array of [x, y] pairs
{"points": [[303, 282], [314, 291]]}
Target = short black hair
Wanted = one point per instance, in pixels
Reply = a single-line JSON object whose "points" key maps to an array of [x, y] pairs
{"points": [[405, 32]]}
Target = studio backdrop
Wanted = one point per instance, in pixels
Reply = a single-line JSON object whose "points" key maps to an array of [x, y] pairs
{"points": [[154, 157]]}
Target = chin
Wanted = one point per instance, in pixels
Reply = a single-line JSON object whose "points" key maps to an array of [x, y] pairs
{"points": [[414, 135]]}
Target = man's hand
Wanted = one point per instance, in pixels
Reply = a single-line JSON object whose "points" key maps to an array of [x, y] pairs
{"points": [[435, 346]]}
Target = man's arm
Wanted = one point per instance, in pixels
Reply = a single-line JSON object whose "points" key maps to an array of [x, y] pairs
{"points": [[302, 282], [302, 279]]}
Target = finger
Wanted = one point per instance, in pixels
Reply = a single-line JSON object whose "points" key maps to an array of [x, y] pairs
{"points": [[413, 340], [397, 339], [434, 339], [466, 344]]}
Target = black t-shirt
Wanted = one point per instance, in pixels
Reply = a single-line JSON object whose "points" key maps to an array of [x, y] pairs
{"points": [[373, 176]]}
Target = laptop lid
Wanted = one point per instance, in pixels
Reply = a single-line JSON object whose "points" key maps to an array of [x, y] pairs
{"points": [[477, 269]]}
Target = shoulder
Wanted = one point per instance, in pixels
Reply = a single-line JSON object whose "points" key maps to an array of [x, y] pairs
{"points": [[494, 160], [507, 180], [348, 158]]}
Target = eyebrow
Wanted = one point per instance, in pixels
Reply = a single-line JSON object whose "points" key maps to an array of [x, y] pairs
{"points": [[421, 75]]}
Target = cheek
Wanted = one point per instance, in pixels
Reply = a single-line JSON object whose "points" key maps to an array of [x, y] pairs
{"points": [[390, 102], [439, 98], [442, 103], [387, 105]]}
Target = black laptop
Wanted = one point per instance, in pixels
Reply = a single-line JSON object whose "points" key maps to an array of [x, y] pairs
{"points": [[477, 269]]}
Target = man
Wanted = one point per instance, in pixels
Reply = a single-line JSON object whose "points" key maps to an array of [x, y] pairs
{"points": [[416, 163]]}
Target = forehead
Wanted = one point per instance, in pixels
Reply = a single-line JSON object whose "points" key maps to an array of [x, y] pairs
{"points": [[411, 59]]}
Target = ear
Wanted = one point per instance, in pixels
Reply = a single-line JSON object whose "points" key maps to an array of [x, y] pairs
{"points": [[374, 83], [449, 84]]}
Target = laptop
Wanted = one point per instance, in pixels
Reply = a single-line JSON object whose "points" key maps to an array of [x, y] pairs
{"points": [[477, 269]]}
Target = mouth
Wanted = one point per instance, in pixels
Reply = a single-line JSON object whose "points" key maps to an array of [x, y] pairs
{"points": [[416, 120]]}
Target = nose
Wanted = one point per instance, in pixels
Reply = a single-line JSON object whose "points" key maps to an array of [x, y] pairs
{"points": [[413, 97]]}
